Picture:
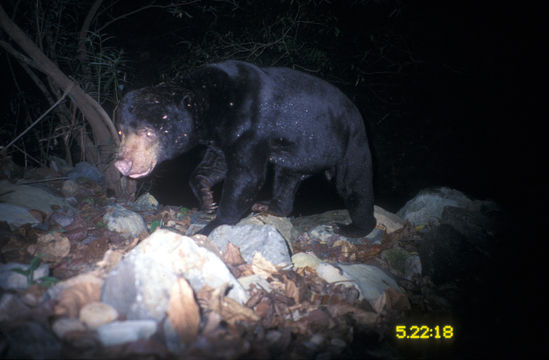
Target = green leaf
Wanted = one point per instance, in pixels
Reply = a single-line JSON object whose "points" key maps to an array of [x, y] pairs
{"points": [[155, 224], [48, 281], [20, 271]]}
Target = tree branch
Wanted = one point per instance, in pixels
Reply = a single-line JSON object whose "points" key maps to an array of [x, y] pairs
{"points": [[98, 119]]}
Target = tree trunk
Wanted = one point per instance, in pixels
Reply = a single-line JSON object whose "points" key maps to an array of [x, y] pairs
{"points": [[104, 133]]}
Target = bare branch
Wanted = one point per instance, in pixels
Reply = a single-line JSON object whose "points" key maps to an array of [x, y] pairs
{"points": [[40, 117]]}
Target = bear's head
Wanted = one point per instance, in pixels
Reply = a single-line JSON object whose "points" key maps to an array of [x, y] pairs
{"points": [[155, 124]]}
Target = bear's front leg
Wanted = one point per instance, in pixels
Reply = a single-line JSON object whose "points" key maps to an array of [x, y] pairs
{"points": [[211, 170], [246, 173]]}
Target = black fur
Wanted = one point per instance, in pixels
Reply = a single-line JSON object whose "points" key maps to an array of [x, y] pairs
{"points": [[249, 117]]}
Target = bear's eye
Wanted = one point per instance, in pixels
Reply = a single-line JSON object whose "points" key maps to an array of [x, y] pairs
{"points": [[187, 101], [164, 117], [149, 133], [119, 132]]}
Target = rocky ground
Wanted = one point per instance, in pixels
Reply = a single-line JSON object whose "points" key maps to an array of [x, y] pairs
{"points": [[82, 276]]}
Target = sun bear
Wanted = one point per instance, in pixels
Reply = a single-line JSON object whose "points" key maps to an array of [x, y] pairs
{"points": [[248, 117]]}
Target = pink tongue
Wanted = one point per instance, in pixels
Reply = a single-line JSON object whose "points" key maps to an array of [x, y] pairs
{"points": [[138, 175]]}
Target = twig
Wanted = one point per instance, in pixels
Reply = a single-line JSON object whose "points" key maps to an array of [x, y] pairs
{"points": [[41, 180], [27, 154], [41, 116]]}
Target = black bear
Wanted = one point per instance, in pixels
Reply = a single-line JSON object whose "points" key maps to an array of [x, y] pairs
{"points": [[248, 117]]}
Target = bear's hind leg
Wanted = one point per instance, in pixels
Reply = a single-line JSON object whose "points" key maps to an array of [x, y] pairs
{"points": [[285, 186], [354, 183]]}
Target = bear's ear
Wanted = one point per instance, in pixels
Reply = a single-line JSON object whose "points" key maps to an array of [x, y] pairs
{"points": [[187, 101]]}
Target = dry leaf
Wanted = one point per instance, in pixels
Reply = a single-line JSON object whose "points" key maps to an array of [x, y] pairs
{"points": [[391, 299], [183, 311], [229, 309], [73, 298], [232, 255], [361, 316], [262, 266]]}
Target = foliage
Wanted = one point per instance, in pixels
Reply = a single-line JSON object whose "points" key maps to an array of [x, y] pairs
{"points": [[47, 281], [54, 26]]}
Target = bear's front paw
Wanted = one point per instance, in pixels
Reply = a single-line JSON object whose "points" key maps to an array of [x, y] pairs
{"points": [[350, 231]]}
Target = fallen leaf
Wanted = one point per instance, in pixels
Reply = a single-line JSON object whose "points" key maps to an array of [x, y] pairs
{"points": [[183, 311], [361, 316], [391, 299], [262, 266], [232, 255], [73, 298]]}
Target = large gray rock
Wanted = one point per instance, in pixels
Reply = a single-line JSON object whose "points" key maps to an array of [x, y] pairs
{"points": [[369, 280], [139, 286], [86, 170], [16, 215], [29, 197], [302, 224], [428, 205], [250, 239]]}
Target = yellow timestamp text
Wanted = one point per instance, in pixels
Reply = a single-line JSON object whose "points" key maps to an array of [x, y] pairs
{"points": [[422, 332]]}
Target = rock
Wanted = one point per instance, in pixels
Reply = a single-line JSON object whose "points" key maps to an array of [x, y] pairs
{"points": [[120, 332], [480, 227], [304, 259], [145, 202], [16, 216], [61, 327], [282, 224], [392, 222], [62, 218], [86, 170], [139, 286], [29, 197], [53, 245], [11, 280], [370, 281], [325, 233], [69, 188], [427, 206], [126, 222], [447, 255], [95, 314], [461, 232], [258, 281], [305, 223], [332, 274], [396, 259], [250, 239], [322, 223], [412, 267], [11, 308]]}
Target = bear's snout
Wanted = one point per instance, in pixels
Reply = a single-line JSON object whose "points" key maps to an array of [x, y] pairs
{"points": [[124, 166]]}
